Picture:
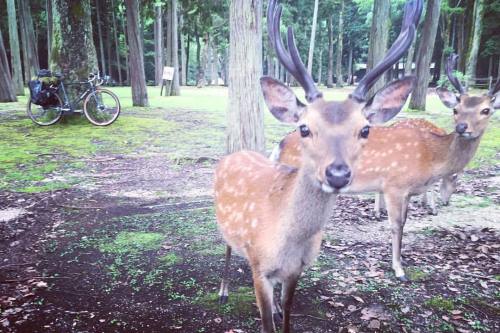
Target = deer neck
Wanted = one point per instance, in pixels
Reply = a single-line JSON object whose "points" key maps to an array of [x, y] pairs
{"points": [[309, 208], [459, 152]]}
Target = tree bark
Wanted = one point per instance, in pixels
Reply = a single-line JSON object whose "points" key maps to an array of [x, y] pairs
{"points": [[183, 78], [349, 66], [173, 47], [99, 35], [50, 24], [320, 67], [313, 37], [409, 58], [203, 63], [117, 43], [29, 47], [7, 91], [214, 59], [158, 36], [73, 50], [15, 52], [137, 75], [379, 37], [475, 39], [329, 81], [245, 117], [340, 41], [424, 55]]}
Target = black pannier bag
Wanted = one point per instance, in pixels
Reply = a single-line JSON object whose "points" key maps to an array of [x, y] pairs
{"points": [[43, 89]]}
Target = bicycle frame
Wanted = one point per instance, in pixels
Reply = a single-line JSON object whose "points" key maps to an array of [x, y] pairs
{"points": [[70, 106]]}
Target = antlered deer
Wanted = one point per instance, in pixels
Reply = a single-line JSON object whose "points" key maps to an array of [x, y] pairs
{"points": [[405, 161], [273, 214]]}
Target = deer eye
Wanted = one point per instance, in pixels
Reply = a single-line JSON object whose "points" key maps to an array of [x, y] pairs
{"points": [[485, 112], [455, 112], [365, 131], [304, 131]]}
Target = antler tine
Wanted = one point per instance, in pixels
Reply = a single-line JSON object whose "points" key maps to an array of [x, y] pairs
{"points": [[292, 62], [306, 80], [451, 64], [411, 18], [495, 88]]}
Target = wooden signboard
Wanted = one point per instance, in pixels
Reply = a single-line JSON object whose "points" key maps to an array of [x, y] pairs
{"points": [[168, 76]]}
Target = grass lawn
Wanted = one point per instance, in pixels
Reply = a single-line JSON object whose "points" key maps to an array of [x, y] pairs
{"points": [[188, 126]]}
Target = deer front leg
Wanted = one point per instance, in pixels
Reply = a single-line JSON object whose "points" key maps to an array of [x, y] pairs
{"points": [[224, 285], [397, 206], [287, 292], [447, 188], [379, 204], [264, 295], [428, 200]]}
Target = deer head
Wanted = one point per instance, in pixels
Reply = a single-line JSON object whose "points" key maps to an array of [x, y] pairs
{"points": [[333, 132], [471, 113]]}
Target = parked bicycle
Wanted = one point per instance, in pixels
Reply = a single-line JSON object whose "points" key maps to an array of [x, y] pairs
{"points": [[49, 100]]}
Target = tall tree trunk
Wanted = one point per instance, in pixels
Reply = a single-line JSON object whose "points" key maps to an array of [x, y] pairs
{"points": [[329, 81], [117, 43], [50, 33], [173, 47], [7, 90], [313, 37], [320, 66], [475, 39], [349, 66], [99, 35], [214, 64], [188, 47], [15, 53], [445, 36], [340, 42], [73, 50], [183, 78], [424, 55], [409, 58], [379, 37], [125, 34], [203, 62], [158, 36], [137, 75], [29, 47], [461, 42], [245, 122]]}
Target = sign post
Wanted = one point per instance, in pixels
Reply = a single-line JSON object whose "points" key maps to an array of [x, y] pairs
{"points": [[167, 78]]}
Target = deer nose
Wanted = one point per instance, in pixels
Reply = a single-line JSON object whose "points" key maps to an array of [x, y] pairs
{"points": [[461, 128], [338, 175]]}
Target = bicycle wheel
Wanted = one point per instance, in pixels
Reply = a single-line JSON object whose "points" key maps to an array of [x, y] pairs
{"points": [[101, 107], [45, 115]]}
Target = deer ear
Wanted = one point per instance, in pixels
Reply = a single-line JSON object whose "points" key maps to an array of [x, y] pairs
{"points": [[449, 99], [281, 100], [389, 101], [495, 101]]}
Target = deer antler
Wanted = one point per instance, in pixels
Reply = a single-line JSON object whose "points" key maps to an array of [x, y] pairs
{"points": [[451, 64], [290, 59], [413, 10]]}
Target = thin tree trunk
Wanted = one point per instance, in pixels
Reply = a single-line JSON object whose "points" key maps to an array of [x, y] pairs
{"points": [[349, 66], [424, 55], [203, 62], [498, 68], [313, 37], [329, 81], [176, 91], [340, 41], [15, 52], [409, 58], [50, 33], [117, 43], [137, 75], [125, 34], [490, 66], [183, 78], [29, 47], [7, 90], [99, 35], [320, 66], [158, 36], [245, 114], [475, 39], [188, 47], [379, 37], [214, 64]]}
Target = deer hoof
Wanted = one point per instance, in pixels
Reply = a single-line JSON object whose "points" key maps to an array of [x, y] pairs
{"points": [[223, 299], [403, 278]]}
